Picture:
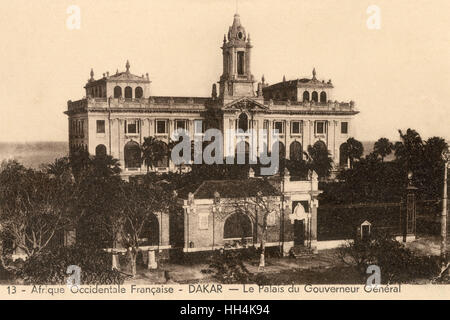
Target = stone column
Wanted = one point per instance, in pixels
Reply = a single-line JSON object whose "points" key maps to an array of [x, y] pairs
{"points": [[314, 225], [115, 261], [152, 263]]}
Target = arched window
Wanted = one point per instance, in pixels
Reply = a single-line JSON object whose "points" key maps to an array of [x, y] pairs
{"points": [[343, 154], [323, 97], [132, 153], [237, 226], [315, 96], [320, 145], [138, 93], [295, 151], [164, 161], [117, 92], [100, 150], [306, 96], [128, 93], [281, 149], [243, 122]]}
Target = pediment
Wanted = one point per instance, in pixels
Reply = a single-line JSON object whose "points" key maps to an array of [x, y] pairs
{"points": [[245, 104], [124, 76]]}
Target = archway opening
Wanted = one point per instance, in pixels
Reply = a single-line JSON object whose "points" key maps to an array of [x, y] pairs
{"points": [[128, 93], [100, 150], [295, 151], [306, 96], [315, 96], [150, 232], [117, 92], [323, 97], [138, 92], [243, 122], [237, 226], [132, 153]]}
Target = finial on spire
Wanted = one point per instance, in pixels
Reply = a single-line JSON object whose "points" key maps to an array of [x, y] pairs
{"points": [[284, 78], [263, 79], [314, 73], [92, 74], [128, 66], [224, 38], [248, 38]]}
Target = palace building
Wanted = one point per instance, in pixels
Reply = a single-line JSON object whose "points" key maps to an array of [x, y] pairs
{"points": [[119, 111]]}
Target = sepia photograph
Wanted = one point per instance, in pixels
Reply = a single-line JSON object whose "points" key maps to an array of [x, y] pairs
{"points": [[224, 149]]}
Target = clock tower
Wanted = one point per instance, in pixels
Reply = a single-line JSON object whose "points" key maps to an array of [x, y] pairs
{"points": [[237, 80]]}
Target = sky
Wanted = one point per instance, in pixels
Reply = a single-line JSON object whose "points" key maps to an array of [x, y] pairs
{"points": [[398, 75]]}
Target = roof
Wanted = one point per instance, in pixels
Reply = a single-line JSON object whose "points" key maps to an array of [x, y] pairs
{"points": [[235, 188], [300, 83], [126, 76]]}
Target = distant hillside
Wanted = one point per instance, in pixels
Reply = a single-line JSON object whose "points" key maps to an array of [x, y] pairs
{"points": [[33, 154]]}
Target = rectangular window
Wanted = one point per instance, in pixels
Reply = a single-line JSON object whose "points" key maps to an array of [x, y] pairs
{"points": [[296, 127], [320, 127], [344, 127], [240, 62], [161, 126], [199, 127], [180, 124], [278, 126], [132, 126], [100, 126], [203, 221]]}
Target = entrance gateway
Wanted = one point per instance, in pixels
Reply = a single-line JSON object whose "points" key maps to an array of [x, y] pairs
{"points": [[299, 218]]}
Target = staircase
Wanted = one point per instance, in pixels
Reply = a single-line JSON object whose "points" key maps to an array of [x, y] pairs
{"points": [[301, 252]]}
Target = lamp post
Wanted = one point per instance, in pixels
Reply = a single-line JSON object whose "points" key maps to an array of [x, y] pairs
{"points": [[446, 158]]}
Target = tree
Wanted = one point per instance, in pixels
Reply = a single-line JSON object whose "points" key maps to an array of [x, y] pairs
{"points": [[34, 207], [319, 159], [79, 160], [383, 147], [153, 151], [257, 207], [135, 205], [354, 150], [409, 151]]}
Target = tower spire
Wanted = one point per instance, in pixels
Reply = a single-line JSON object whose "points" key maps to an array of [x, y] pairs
{"points": [[128, 66]]}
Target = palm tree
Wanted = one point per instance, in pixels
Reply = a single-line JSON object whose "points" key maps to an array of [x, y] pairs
{"points": [[105, 166], [59, 167], [355, 150], [383, 147], [319, 159], [153, 151]]}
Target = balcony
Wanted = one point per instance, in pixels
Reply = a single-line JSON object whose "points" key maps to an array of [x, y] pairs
{"points": [[328, 107], [169, 103]]}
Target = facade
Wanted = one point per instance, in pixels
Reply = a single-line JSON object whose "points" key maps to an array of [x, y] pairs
{"points": [[230, 213], [119, 111]]}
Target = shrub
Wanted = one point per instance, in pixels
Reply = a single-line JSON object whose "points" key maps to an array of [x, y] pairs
{"points": [[228, 267], [50, 267], [397, 263]]}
